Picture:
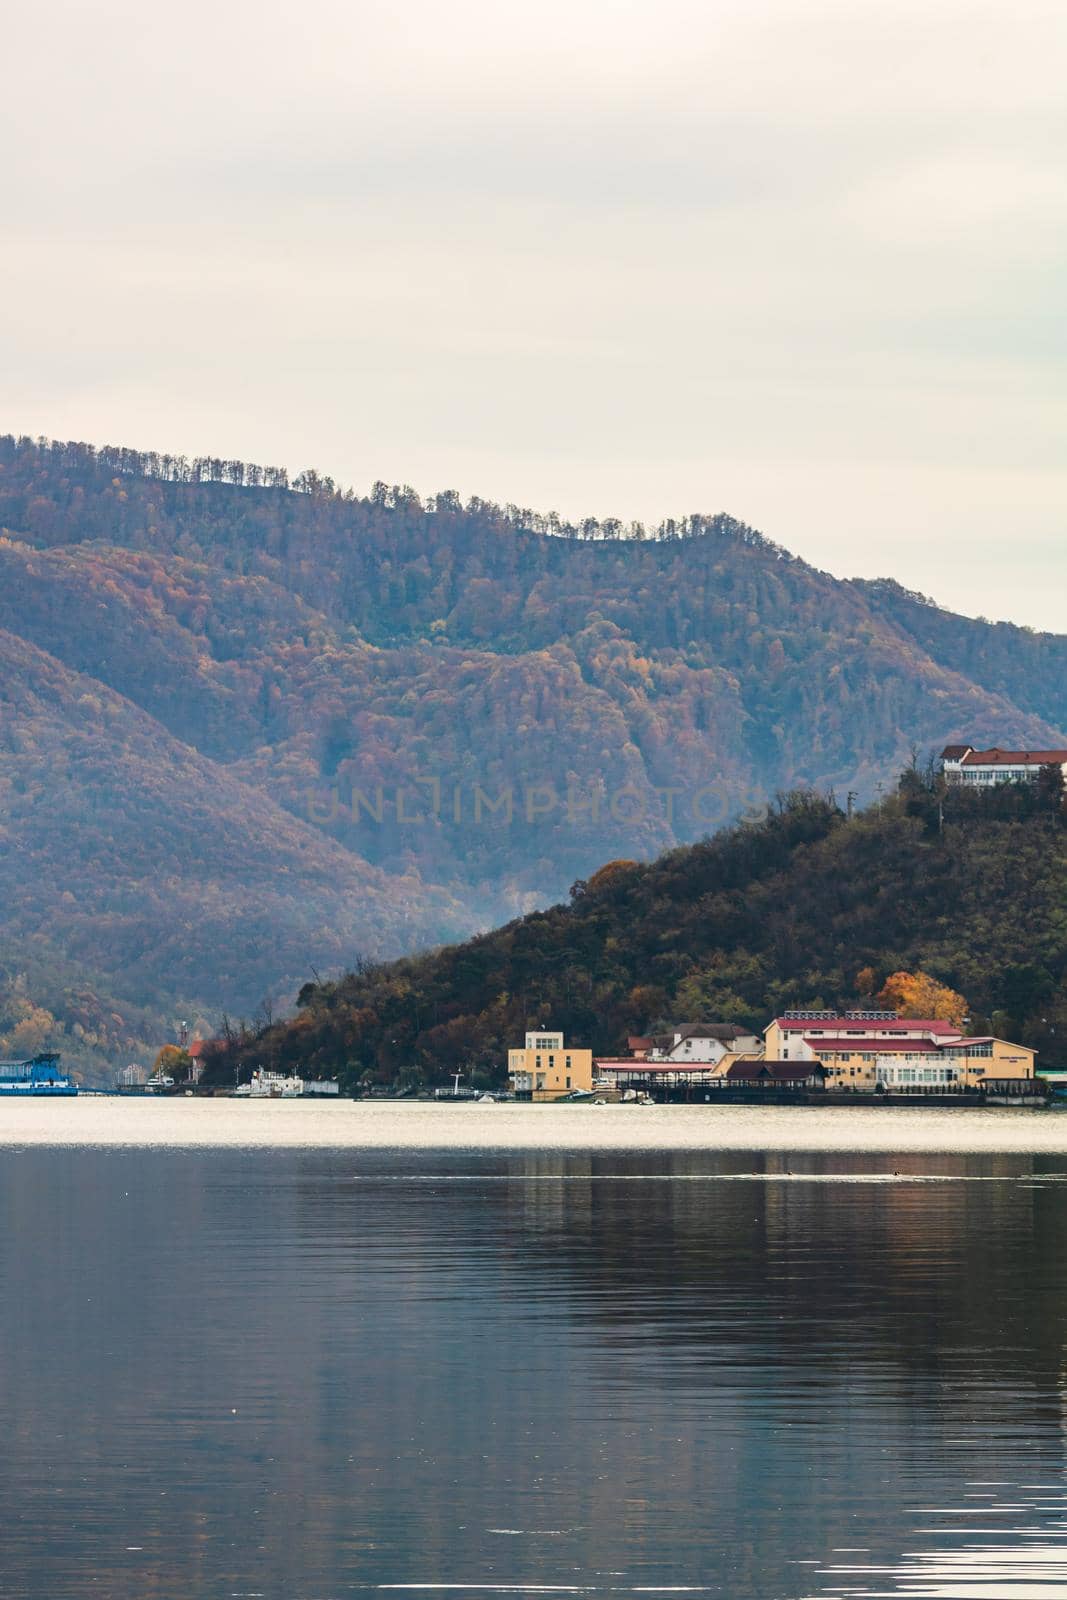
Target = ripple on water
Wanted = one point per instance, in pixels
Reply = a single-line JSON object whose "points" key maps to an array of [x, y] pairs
{"points": [[1023, 1557]]}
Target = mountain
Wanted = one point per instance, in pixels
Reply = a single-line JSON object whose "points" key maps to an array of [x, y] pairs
{"points": [[430, 717], [147, 873], [806, 908]]}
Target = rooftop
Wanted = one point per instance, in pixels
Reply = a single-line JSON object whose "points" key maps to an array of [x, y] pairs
{"points": [[854, 1024], [882, 1047], [967, 756], [723, 1031], [783, 1071], [633, 1064]]}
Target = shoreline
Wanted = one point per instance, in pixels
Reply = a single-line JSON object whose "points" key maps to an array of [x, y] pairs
{"points": [[115, 1123]]}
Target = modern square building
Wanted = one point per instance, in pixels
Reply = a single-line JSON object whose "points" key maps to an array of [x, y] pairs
{"points": [[547, 1069]]}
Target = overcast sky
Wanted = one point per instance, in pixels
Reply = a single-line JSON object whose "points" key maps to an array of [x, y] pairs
{"points": [[799, 261]]}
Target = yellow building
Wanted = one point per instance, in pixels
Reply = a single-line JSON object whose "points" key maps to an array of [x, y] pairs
{"points": [[865, 1052], [546, 1069], [968, 1064]]}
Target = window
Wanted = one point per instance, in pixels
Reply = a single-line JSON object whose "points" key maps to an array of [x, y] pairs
{"points": [[568, 1083], [551, 1063], [568, 1063]]}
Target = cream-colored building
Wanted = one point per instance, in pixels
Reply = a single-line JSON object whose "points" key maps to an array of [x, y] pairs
{"points": [[547, 1068], [969, 1064], [865, 1052]]}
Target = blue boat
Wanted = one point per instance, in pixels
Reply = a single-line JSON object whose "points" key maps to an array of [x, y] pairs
{"points": [[41, 1075]]}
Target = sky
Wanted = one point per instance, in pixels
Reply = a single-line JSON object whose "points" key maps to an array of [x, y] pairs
{"points": [[799, 261]]}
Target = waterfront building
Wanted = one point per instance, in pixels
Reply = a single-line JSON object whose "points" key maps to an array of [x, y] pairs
{"points": [[681, 1058], [763, 1074], [978, 1063], [700, 1041], [657, 1077], [197, 1047], [546, 1069], [871, 1051], [806, 1034]]}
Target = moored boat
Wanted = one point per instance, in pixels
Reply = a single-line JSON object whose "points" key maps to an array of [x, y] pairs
{"points": [[281, 1086], [40, 1075]]}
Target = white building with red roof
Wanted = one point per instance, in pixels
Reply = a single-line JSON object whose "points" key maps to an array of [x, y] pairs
{"points": [[963, 764]]}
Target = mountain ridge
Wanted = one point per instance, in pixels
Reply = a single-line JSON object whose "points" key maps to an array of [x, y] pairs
{"points": [[402, 684]]}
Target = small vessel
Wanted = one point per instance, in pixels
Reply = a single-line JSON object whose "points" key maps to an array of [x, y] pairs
{"points": [[279, 1086], [41, 1075]]}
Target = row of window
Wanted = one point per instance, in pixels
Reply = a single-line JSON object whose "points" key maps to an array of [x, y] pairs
{"points": [[927, 1075]]}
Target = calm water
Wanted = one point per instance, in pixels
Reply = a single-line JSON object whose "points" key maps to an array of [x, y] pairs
{"points": [[315, 1373]]}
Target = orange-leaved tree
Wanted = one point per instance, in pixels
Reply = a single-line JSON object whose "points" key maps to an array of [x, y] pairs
{"points": [[916, 994], [173, 1062]]}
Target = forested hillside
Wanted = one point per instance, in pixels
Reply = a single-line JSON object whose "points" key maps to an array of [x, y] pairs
{"points": [[140, 880], [399, 721], [806, 908]]}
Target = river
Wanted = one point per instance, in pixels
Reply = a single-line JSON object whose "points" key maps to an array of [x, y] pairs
{"points": [[301, 1352]]}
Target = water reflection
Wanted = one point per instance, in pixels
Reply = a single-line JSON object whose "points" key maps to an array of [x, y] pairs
{"points": [[307, 1374], [1009, 1543]]}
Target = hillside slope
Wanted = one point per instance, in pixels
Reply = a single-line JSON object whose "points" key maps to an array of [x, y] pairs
{"points": [[132, 861], [806, 908]]}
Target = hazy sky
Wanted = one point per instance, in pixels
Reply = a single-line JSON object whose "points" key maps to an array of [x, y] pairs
{"points": [[800, 261]]}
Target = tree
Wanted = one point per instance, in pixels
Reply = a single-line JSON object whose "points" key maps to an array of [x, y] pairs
{"points": [[916, 994], [173, 1062], [1050, 792]]}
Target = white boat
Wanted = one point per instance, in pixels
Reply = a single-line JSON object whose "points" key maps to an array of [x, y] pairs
{"points": [[284, 1086]]}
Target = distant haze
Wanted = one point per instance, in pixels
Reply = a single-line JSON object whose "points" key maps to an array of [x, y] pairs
{"points": [[803, 262]]}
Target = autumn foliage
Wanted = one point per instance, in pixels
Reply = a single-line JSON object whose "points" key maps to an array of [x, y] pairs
{"points": [[916, 994]]}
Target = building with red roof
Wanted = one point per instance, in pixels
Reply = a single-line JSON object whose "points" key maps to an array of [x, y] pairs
{"points": [[963, 764]]}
